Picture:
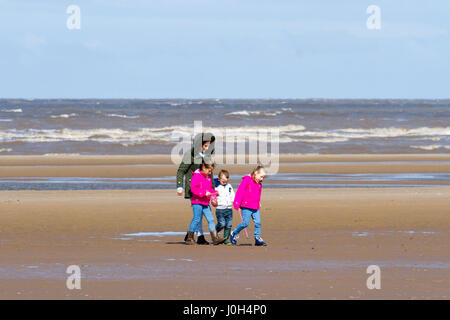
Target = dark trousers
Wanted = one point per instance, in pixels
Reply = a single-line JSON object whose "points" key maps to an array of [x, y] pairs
{"points": [[224, 218]]}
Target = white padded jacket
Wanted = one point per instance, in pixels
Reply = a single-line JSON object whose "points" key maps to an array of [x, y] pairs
{"points": [[225, 197]]}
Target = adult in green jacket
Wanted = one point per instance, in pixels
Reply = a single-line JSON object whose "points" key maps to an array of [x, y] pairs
{"points": [[202, 149]]}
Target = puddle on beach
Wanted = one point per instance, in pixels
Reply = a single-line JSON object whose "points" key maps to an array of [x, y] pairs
{"points": [[168, 268], [141, 236], [385, 233], [154, 234], [181, 259], [279, 180]]}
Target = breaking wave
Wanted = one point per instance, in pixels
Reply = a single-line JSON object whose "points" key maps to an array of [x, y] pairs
{"points": [[173, 134], [129, 137], [122, 116], [430, 147], [64, 115], [351, 133], [12, 110], [257, 113]]}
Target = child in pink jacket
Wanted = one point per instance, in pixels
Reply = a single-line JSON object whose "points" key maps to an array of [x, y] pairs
{"points": [[248, 198], [201, 188]]}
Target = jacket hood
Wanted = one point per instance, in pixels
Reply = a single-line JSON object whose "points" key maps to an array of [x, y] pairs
{"points": [[197, 143], [198, 172], [247, 177]]}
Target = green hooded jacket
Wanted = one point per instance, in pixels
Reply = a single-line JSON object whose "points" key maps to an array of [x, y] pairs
{"points": [[192, 160]]}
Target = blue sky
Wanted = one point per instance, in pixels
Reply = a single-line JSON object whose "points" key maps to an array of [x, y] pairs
{"points": [[224, 49]]}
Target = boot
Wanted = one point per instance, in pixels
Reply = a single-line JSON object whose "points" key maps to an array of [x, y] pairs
{"points": [[215, 238], [201, 240], [190, 238], [218, 229], [226, 235]]}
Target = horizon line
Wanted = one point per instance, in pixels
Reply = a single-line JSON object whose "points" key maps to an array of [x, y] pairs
{"points": [[215, 98]]}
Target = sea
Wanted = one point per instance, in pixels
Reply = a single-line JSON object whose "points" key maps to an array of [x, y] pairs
{"points": [[134, 126]]}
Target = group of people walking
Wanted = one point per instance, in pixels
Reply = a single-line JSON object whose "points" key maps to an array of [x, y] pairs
{"points": [[195, 177]]}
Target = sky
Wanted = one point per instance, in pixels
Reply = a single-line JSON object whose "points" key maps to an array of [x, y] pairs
{"points": [[224, 49]]}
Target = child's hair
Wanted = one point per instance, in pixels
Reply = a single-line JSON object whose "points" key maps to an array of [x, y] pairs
{"points": [[225, 173], [257, 170], [207, 165]]}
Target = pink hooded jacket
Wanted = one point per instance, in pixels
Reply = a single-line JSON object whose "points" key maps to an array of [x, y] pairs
{"points": [[199, 186], [248, 194]]}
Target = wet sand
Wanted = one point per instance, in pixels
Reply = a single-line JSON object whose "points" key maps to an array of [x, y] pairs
{"points": [[161, 165], [320, 243]]}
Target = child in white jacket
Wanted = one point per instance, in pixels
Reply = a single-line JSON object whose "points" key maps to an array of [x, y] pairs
{"points": [[224, 211]]}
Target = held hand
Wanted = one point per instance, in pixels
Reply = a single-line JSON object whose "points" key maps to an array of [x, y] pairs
{"points": [[180, 192]]}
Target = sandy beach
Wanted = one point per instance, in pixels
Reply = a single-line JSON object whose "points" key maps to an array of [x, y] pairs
{"points": [[161, 165], [343, 104], [320, 240]]}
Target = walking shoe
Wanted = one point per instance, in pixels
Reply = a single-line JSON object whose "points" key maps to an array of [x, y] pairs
{"points": [[233, 238], [226, 235], [201, 240], [259, 242]]}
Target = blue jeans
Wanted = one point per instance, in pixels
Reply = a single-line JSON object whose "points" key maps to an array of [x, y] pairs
{"points": [[199, 211], [224, 219], [246, 214], [199, 229]]}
